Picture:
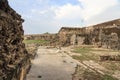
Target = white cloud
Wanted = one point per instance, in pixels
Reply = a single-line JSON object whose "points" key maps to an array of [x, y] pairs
{"points": [[41, 16], [92, 8], [38, 12], [110, 14], [88, 10], [68, 11], [67, 15]]}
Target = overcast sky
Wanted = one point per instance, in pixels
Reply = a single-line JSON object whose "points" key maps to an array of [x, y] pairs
{"points": [[50, 15]]}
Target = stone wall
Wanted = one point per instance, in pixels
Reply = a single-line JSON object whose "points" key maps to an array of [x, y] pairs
{"points": [[46, 37], [67, 35], [14, 58], [106, 35]]}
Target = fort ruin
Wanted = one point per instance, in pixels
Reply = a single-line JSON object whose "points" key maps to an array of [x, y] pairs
{"points": [[105, 35], [14, 58]]}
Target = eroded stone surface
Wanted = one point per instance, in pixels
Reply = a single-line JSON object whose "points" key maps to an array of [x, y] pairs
{"points": [[106, 35], [14, 58]]}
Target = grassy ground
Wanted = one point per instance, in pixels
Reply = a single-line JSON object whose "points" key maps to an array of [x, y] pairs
{"points": [[93, 54], [90, 53], [88, 74], [35, 41], [85, 54], [31, 46]]}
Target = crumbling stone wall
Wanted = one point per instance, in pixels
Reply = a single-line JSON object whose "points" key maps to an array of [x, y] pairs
{"points": [[14, 59], [77, 39], [105, 35], [67, 35], [46, 37]]}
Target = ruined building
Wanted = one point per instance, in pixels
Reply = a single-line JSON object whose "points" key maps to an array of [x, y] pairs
{"points": [[68, 35], [45, 37], [14, 59], [106, 35]]}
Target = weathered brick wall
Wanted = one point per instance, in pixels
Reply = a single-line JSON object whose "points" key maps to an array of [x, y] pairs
{"points": [[14, 59]]}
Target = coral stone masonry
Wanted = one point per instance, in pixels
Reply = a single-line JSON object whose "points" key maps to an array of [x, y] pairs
{"points": [[14, 59], [106, 35]]}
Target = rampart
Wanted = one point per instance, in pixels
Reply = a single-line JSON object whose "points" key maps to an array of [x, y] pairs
{"points": [[105, 35]]}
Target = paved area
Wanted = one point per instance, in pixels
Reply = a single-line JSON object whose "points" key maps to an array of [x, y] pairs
{"points": [[51, 64]]}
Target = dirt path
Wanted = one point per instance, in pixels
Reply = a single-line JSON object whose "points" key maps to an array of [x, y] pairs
{"points": [[50, 64]]}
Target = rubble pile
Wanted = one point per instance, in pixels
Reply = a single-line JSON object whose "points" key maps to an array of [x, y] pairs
{"points": [[110, 58], [14, 58]]}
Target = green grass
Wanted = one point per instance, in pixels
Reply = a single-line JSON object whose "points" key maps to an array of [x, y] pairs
{"points": [[108, 77], [34, 41], [82, 50], [88, 74], [96, 76], [85, 54], [90, 54], [112, 66]]}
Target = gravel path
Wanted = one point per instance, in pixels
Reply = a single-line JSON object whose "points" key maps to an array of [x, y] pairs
{"points": [[50, 64]]}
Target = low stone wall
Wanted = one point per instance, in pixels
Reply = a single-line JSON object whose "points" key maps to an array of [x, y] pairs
{"points": [[46, 37], [110, 58], [14, 58]]}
